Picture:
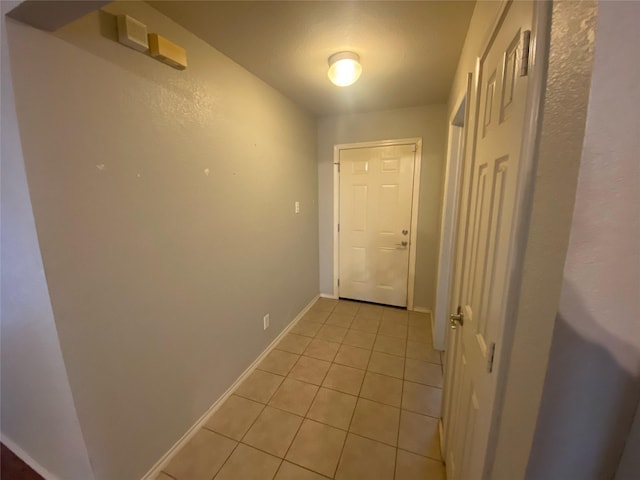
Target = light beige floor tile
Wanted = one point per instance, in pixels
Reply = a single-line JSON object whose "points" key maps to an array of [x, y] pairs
{"points": [[394, 346], [278, 361], [308, 329], [332, 333], [420, 335], [419, 434], [382, 388], [317, 447], [386, 364], [423, 372], [325, 304], [410, 466], [376, 421], [421, 399], [396, 315], [348, 307], [340, 320], [247, 463], [273, 431], [353, 356], [234, 417], [365, 459], [422, 351], [370, 311], [293, 343], [310, 370], [202, 457], [419, 319], [289, 471], [344, 379], [364, 324], [392, 329], [294, 396], [315, 316], [322, 349], [356, 338], [259, 386], [333, 408]]}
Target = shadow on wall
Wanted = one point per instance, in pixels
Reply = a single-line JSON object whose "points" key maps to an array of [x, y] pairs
{"points": [[589, 399]]}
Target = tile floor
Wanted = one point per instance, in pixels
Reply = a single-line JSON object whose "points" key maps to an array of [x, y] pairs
{"points": [[352, 392]]}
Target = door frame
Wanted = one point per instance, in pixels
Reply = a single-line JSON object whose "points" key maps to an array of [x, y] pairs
{"points": [[451, 198], [538, 61], [415, 197]]}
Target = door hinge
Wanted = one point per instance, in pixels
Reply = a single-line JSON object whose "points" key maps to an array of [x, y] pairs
{"points": [[338, 228], [491, 352], [338, 165], [338, 282], [526, 43], [414, 148]]}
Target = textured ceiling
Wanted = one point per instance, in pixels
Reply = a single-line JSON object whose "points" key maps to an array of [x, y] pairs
{"points": [[409, 50]]}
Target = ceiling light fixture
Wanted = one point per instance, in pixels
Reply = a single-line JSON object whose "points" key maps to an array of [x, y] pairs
{"points": [[344, 68]]}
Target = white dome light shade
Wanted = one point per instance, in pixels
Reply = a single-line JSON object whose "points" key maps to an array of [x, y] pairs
{"points": [[344, 68]]}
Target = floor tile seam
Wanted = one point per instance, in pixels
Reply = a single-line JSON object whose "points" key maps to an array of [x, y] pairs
{"points": [[169, 475], [353, 413], [235, 447], [293, 439], [270, 397], [420, 454], [420, 413], [361, 435], [277, 373], [404, 374], [304, 468], [425, 361]]}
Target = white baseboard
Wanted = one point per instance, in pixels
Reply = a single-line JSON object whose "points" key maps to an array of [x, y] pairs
{"points": [[326, 295], [421, 310], [28, 459], [166, 458]]}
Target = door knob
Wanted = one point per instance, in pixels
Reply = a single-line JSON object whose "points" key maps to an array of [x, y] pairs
{"points": [[405, 232], [456, 319], [402, 244]]}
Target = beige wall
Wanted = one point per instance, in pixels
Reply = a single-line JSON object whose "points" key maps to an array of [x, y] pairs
{"points": [[39, 420], [427, 122], [159, 273]]}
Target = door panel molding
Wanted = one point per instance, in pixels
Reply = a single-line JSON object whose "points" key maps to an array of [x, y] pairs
{"points": [[417, 141]]}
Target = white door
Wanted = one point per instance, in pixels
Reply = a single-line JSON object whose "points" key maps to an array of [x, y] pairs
{"points": [[490, 193], [376, 190]]}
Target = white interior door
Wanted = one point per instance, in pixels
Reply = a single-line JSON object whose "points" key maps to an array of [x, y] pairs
{"points": [[376, 190], [490, 184]]}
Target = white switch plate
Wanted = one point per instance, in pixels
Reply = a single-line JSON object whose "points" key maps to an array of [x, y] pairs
{"points": [[297, 207], [266, 321]]}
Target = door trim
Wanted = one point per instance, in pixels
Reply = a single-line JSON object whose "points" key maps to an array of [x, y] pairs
{"points": [[415, 197]]}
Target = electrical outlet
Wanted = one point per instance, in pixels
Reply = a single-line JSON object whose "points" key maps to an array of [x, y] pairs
{"points": [[266, 321], [297, 207]]}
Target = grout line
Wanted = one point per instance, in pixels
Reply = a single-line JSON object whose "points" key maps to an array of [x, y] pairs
{"points": [[357, 397], [404, 375], [303, 419]]}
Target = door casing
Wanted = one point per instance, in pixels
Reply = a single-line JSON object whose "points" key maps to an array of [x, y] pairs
{"points": [[417, 141]]}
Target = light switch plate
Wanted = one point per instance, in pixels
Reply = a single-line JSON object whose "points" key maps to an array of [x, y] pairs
{"points": [[297, 207]]}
